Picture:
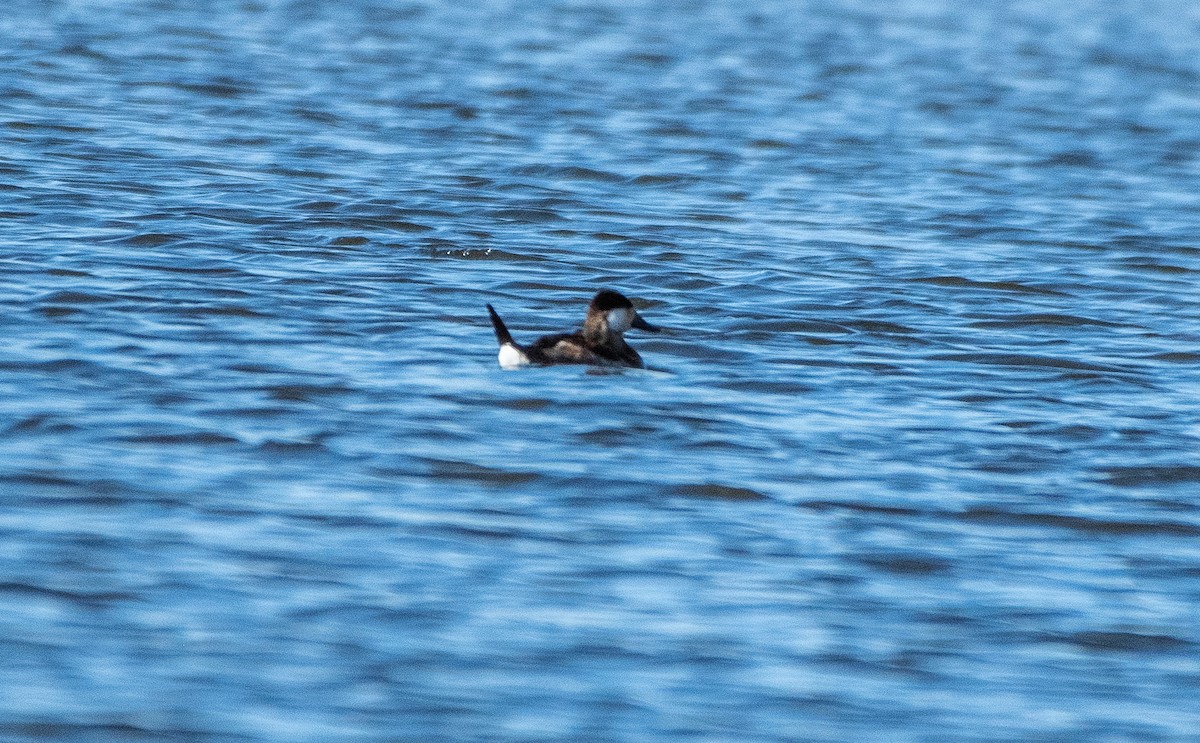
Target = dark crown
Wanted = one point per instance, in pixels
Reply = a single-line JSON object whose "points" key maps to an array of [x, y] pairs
{"points": [[607, 299]]}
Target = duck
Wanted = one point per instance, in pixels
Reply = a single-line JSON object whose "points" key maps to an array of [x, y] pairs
{"points": [[600, 342]]}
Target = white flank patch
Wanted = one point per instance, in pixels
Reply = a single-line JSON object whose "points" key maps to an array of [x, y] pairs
{"points": [[512, 357]]}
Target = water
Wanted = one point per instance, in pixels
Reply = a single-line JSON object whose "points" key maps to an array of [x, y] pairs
{"points": [[917, 460]]}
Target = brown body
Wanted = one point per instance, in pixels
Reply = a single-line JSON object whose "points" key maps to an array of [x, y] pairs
{"points": [[578, 348]]}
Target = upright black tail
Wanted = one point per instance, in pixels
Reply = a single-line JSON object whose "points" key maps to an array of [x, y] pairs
{"points": [[502, 334]]}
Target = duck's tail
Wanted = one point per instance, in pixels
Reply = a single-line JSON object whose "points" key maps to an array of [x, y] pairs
{"points": [[511, 355], [502, 334]]}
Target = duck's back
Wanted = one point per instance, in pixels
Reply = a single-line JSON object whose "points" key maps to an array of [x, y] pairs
{"points": [[562, 348], [573, 348]]}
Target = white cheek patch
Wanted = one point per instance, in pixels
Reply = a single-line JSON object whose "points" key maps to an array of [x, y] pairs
{"points": [[620, 319], [512, 357]]}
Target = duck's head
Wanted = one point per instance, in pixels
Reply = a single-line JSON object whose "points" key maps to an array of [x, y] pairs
{"points": [[613, 311]]}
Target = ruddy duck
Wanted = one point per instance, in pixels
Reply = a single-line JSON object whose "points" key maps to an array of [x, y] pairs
{"points": [[600, 341]]}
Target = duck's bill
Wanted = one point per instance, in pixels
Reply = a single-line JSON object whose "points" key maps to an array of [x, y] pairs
{"points": [[641, 324]]}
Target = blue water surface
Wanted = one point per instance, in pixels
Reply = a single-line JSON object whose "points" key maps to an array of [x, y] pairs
{"points": [[916, 459]]}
